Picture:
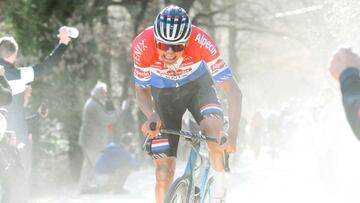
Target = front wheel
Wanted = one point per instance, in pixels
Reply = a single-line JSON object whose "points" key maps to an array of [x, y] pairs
{"points": [[179, 191]]}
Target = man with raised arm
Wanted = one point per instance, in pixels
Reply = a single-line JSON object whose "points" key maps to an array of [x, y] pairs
{"points": [[18, 78]]}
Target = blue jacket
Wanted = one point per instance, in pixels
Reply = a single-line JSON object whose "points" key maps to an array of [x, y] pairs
{"points": [[113, 158]]}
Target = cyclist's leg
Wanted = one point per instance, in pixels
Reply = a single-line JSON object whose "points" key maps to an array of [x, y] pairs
{"points": [[207, 111], [213, 126], [165, 163], [170, 109], [164, 171]]}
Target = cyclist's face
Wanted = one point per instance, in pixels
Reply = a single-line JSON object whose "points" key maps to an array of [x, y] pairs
{"points": [[168, 55]]}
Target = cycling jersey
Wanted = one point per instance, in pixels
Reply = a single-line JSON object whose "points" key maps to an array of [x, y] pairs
{"points": [[186, 84], [201, 55]]}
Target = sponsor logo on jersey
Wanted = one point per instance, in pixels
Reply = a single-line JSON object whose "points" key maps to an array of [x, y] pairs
{"points": [[218, 65], [141, 74], [179, 74], [187, 61], [139, 50], [203, 41]]}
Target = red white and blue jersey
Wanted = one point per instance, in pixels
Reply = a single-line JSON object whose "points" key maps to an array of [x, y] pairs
{"points": [[200, 55]]}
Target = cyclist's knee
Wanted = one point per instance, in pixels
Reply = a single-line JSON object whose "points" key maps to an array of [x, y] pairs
{"points": [[164, 173], [212, 126]]}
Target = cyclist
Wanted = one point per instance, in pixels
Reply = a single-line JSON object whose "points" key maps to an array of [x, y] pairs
{"points": [[175, 64]]}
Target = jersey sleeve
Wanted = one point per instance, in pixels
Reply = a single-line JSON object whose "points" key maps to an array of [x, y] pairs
{"points": [[142, 72], [210, 53]]}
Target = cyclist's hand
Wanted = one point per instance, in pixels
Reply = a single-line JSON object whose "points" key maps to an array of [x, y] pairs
{"points": [[154, 118]]}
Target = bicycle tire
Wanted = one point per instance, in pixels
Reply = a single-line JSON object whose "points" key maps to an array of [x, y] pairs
{"points": [[178, 192]]}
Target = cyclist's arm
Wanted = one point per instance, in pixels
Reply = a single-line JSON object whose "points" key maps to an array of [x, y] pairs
{"points": [[144, 100], [234, 97], [222, 75], [147, 106], [142, 53]]}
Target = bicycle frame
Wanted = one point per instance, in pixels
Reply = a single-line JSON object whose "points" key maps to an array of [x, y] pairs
{"points": [[188, 178], [204, 173]]}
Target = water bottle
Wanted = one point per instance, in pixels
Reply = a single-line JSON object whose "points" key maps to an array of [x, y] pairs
{"points": [[72, 31]]}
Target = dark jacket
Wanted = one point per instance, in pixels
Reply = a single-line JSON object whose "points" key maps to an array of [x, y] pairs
{"points": [[18, 78], [350, 89], [5, 91]]}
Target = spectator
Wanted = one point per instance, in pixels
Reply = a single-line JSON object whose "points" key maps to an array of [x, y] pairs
{"points": [[115, 165], [94, 134], [18, 78], [5, 141], [33, 120], [344, 67]]}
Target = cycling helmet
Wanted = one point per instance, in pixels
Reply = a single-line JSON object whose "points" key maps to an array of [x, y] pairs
{"points": [[172, 25]]}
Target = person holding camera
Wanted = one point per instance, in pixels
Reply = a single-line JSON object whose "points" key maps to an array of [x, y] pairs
{"points": [[97, 117], [18, 78]]}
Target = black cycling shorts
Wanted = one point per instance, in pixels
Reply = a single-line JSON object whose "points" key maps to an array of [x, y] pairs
{"points": [[198, 96]]}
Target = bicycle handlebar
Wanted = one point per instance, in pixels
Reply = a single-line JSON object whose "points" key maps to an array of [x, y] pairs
{"points": [[153, 126], [190, 135], [226, 162], [201, 137]]}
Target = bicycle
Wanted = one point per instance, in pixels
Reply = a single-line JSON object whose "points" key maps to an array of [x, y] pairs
{"points": [[194, 185]]}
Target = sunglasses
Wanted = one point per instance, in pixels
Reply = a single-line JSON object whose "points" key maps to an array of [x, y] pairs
{"points": [[174, 47]]}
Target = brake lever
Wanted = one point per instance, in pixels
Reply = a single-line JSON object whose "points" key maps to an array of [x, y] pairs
{"points": [[226, 162], [153, 128]]}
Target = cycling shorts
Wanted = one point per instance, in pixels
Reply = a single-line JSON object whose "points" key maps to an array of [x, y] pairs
{"points": [[198, 96]]}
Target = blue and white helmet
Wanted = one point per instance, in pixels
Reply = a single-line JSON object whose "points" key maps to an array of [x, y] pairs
{"points": [[172, 25]]}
